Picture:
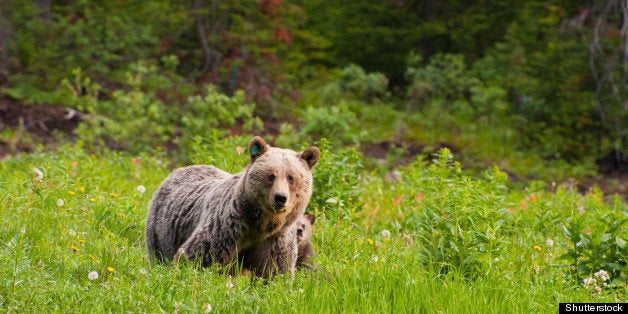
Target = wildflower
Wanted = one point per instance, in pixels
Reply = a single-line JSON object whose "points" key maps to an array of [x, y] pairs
{"points": [[140, 189], [74, 164], [589, 282], [396, 200], [418, 197], [72, 232], [60, 202], [538, 248], [549, 242], [111, 269], [229, 284], [82, 241], [385, 234], [239, 150], [71, 192], [82, 188], [375, 259], [93, 275], [136, 161], [143, 271], [532, 198], [602, 275], [370, 241], [38, 174], [93, 199], [510, 210], [23, 230], [74, 248], [446, 215], [208, 308], [113, 194], [587, 231], [524, 204]]}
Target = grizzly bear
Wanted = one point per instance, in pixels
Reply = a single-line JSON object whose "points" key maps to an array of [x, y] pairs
{"points": [[204, 213], [305, 252]]}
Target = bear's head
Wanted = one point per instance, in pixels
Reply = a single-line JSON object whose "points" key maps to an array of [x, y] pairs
{"points": [[305, 226], [280, 181]]}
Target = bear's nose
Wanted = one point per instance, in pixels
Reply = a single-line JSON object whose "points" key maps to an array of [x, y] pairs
{"points": [[281, 198]]}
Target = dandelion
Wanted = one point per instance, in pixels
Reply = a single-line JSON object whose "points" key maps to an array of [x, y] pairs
{"points": [[385, 234], [71, 192], [74, 248], [60, 202], [113, 194], [538, 248], [82, 188], [370, 241], [208, 308], [93, 199], [602, 275], [549, 242], [38, 174], [93, 275], [111, 269], [82, 241], [140, 189]]}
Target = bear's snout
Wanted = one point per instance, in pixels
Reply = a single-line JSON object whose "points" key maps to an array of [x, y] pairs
{"points": [[280, 200]]}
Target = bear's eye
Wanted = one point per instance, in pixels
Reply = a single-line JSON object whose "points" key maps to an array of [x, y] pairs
{"points": [[290, 179], [271, 177]]}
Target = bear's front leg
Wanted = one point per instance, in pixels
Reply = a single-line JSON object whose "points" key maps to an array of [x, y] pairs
{"points": [[275, 255], [200, 245]]}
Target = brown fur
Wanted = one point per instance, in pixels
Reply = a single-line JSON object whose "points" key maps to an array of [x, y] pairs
{"points": [[204, 212]]}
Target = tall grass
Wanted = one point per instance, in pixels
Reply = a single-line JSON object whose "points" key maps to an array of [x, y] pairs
{"points": [[434, 241]]}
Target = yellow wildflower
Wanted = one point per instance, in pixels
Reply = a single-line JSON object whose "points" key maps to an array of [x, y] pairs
{"points": [[538, 248], [111, 269], [370, 241]]}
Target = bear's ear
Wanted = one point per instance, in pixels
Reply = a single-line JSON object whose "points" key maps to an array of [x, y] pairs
{"points": [[311, 155], [257, 147], [311, 218]]}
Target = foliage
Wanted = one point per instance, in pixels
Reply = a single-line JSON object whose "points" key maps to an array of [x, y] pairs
{"points": [[597, 243]]}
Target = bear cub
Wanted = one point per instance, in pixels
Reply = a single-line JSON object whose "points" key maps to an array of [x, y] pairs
{"points": [[305, 227], [204, 213]]}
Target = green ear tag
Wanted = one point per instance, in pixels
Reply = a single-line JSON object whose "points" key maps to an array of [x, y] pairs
{"points": [[254, 149]]}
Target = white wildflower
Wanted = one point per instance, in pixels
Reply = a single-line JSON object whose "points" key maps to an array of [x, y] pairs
{"points": [[93, 275], [602, 275], [60, 202], [385, 234], [375, 259], [23, 230], [549, 242], [72, 232], [140, 189], [208, 308], [589, 282], [143, 271], [38, 174]]}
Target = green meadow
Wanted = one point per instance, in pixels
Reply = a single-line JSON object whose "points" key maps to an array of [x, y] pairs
{"points": [[434, 240]]}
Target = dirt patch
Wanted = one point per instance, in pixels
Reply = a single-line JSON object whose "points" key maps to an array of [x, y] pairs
{"points": [[21, 126]]}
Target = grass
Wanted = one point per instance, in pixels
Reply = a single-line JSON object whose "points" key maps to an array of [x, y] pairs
{"points": [[456, 243]]}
